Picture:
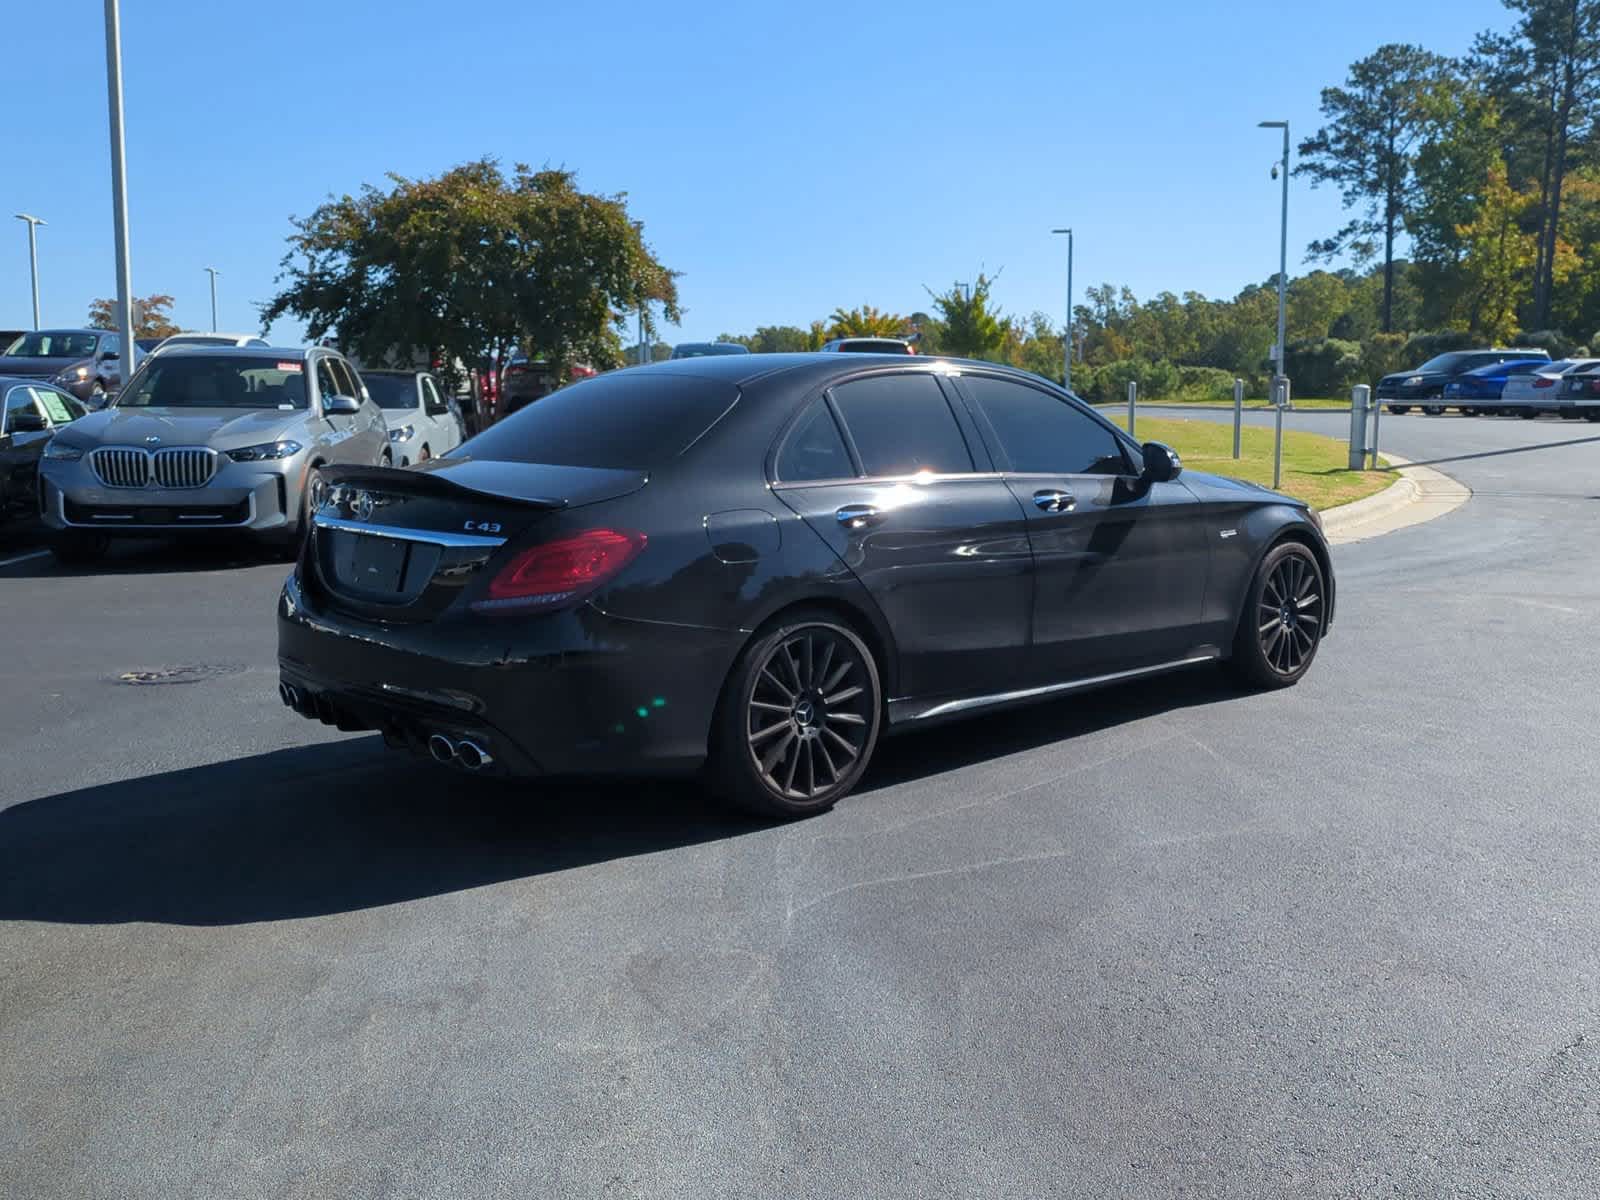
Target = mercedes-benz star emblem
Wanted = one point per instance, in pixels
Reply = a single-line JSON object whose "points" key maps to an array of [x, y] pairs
{"points": [[152, 440], [361, 506]]}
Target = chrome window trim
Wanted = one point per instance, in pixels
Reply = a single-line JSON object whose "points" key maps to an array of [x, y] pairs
{"points": [[435, 537], [970, 702]]}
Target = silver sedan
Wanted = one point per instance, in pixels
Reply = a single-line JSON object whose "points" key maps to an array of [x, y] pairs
{"points": [[208, 438]]}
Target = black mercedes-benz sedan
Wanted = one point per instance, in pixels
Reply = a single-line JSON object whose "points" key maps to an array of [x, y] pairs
{"points": [[759, 564]]}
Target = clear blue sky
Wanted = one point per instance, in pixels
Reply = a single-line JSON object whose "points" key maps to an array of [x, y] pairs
{"points": [[785, 159]]}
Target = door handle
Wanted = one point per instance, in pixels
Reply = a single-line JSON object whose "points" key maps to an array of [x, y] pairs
{"points": [[858, 516], [1054, 501]]}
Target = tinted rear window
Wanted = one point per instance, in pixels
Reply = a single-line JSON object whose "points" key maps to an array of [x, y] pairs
{"points": [[392, 391], [631, 420]]}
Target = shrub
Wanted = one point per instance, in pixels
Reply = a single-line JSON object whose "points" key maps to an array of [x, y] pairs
{"points": [[1424, 346], [1083, 380], [1205, 383], [1558, 344], [1323, 366], [1383, 354], [1156, 379]]}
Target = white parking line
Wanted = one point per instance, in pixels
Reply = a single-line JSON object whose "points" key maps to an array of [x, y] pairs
{"points": [[11, 562]]}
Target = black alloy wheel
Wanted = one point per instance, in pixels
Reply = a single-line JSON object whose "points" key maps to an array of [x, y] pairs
{"points": [[799, 719], [1281, 626]]}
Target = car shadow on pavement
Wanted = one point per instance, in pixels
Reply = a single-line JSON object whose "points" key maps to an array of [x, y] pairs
{"points": [[137, 557], [347, 825]]}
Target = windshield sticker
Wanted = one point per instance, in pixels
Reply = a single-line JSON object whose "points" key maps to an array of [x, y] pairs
{"points": [[295, 367], [54, 406]]}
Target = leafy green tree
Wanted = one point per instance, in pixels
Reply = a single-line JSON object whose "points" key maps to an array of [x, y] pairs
{"points": [[865, 321], [152, 316], [971, 328], [1546, 74], [1500, 258], [472, 263], [772, 339], [1367, 148]]}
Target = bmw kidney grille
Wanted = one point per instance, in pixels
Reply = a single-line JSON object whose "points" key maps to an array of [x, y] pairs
{"points": [[175, 467]]}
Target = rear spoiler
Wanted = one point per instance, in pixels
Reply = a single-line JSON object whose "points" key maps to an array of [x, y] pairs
{"points": [[530, 484]]}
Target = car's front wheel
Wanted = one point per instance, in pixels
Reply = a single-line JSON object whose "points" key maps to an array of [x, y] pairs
{"points": [[798, 719], [1399, 410], [1281, 626]]}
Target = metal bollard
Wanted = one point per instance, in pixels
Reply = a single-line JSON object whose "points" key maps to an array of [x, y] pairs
{"points": [[1360, 398], [1238, 413], [1377, 414], [1133, 403], [1280, 402]]}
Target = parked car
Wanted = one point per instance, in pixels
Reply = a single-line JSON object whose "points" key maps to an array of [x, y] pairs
{"points": [[706, 349], [210, 339], [612, 580], [1479, 390], [1527, 396], [31, 413], [84, 362], [1424, 386], [869, 345], [206, 438], [422, 423], [7, 337], [525, 380], [1580, 395]]}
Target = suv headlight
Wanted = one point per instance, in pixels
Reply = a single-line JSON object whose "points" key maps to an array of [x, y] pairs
{"points": [[62, 451], [73, 375], [403, 434], [265, 452]]}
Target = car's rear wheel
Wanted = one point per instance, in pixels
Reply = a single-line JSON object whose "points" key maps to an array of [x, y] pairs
{"points": [[1399, 410], [798, 719], [1281, 626], [1469, 412], [74, 547], [1433, 410], [1527, 414]]}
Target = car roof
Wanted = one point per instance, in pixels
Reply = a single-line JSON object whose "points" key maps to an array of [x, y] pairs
{"points": [[192, 350], [70, 329], [817, 367]]}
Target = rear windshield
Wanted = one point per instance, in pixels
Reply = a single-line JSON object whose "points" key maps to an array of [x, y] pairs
{"points": [[866, 346], [201, 381], [392, 391], [703, 349], [631, 420]]}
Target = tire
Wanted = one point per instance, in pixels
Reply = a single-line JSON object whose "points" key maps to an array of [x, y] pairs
{"points": [[1276, 642], [425, 455], [73, 548], [312, 491], [1527, 414], [1399, 410], [1433, 410], [798, 718], [1591, 414], [1469, 412], [97, 396]]}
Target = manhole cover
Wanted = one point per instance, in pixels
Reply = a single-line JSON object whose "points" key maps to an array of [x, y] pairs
{"points": [[191, 674]]}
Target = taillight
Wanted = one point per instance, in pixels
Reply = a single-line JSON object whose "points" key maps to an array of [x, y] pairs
{"points": [[1544, 381], [558, 573]]}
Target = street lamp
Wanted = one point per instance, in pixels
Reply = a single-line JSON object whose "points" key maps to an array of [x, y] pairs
{"points": [[1283, 238], [1066, 370], [33, 258], [213, 272], [119, 184]]}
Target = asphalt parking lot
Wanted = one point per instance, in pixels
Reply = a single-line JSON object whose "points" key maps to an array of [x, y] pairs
{"points": [[1170, 939]]}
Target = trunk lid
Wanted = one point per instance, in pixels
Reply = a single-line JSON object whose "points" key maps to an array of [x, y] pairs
{"points": [[402, 545]]}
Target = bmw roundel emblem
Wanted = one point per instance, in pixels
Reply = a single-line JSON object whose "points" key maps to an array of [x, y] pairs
{"points": [[152, 440], [361, 506]]}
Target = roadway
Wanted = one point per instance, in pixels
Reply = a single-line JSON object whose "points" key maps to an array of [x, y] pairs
{"points": [[1338, 941]]}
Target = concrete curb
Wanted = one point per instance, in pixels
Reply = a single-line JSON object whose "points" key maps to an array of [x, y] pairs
{"points": [[1419, 494]]}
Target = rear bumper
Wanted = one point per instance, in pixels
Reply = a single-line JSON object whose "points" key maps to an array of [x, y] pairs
{"points": [[578, 692]]}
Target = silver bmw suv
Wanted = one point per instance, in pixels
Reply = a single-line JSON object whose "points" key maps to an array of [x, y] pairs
{"points": [[205, 438]]}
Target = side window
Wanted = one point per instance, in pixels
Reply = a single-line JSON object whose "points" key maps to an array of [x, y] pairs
{"points": [[902, 424], [814, 449], [430, 399], [21, 414], [1042, 434], [327, 382], [110, 344], [349, 385]]}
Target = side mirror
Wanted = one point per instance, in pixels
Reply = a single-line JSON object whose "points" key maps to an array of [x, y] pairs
{"points": [[24, 421], [347, 405], [1161, 464], [108, 356]]}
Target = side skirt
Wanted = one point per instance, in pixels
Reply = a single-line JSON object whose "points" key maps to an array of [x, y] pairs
{"points": [[911, 711]]}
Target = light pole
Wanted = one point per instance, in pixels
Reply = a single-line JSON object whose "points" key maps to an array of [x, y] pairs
{"points": [[213, 272], [1066, 370], [119, 186], [33, 258], [1283, 237]]}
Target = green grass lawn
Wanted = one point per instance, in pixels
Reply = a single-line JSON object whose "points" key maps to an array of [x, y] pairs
{"points": [[1313, 466]]}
